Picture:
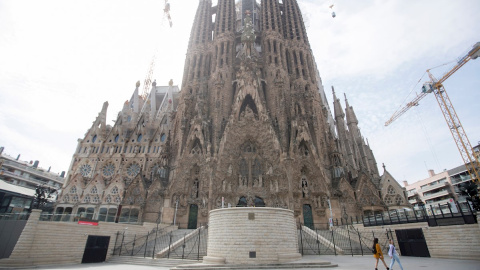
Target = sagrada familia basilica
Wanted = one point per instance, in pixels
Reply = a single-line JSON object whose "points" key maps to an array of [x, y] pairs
{"points": [[251, 126]]}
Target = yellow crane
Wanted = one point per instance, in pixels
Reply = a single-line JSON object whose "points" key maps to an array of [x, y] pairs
{"points": [[451, 117], [148, 79]]}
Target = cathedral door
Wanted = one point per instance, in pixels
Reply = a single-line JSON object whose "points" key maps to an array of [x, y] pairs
{"points": [[192, 216], [307, 216]]}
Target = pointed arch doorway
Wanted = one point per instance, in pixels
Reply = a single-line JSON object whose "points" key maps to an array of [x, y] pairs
{"points": [[192, 216], [308, 216]]}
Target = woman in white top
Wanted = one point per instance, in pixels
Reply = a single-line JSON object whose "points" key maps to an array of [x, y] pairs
{"points": [[392, 252]]}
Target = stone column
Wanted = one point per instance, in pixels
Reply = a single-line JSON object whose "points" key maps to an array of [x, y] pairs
{"points": [[288, 165]]}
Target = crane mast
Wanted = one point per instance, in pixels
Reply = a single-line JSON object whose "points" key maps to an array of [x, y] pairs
{"points": [[448, 111], [456, 128], [148, 79]]}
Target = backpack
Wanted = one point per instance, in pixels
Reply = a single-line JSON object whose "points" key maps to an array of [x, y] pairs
{"points": [[374, 250]]}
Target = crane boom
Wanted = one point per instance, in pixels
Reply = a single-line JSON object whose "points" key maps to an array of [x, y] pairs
{"points": [[448, 111], [472, 54], [412, 103]]}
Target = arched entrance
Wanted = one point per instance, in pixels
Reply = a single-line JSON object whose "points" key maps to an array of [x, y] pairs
{"points": [[192, 216], [259, 202], [242, 202], [307, 216]]}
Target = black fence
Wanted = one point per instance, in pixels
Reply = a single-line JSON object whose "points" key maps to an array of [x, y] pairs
{"points": [[164, 243], [192, 244], [14, 216], [454, 213], [341, 240]]}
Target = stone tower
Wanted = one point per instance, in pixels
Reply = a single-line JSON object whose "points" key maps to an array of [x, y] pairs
{"points": [[254, 128], [250, 127]]}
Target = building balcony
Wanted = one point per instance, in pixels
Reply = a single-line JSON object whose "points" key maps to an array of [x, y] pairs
{"points": [[413, 201], [441, 202], [26, 181], [461, 179], [436, 195], [435, 186], [33, 171]]}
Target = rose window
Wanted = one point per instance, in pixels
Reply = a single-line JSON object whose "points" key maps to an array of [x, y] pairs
{"points": [[108, 170], [133, 170], [85, 170]]}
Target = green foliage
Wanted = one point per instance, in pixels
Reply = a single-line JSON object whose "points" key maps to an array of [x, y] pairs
{"points": [[470, 191], [43, 196]]}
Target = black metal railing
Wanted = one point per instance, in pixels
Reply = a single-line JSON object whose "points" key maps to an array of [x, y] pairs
{"points": [[165, 243], [454, 213], [14, 216], [340, 240], [438, 215]]}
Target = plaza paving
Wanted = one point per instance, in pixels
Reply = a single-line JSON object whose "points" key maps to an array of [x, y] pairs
{"points": [[344, 263]]}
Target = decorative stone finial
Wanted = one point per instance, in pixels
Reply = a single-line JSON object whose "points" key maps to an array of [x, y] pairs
{"points": [[137, 84], [154, 83], [170, 83]]}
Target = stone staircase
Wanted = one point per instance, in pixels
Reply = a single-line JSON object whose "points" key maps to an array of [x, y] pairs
{"points": [[144, 248], [293, 265], [149, 261], [347, 239], [191, 244], [340, 241], [312, 243]]}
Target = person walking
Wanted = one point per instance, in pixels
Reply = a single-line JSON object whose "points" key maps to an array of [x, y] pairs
{"points": [[377, 253], [392, 252]]}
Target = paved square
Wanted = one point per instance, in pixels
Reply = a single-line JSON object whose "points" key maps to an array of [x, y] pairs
{"points": [[344, 263]]}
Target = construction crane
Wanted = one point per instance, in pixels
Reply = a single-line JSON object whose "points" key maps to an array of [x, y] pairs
{"points": [[451, 117], [166, 11], [148, 79]]}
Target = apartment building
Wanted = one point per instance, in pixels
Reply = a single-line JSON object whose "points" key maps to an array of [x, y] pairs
{"points": [[19, 179], [438, 189]]}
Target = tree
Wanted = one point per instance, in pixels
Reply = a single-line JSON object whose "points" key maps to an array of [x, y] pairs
{"points": [[470, 191], [42, 196]]}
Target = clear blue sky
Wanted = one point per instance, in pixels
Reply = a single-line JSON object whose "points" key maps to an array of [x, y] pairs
{"points": [[61, 59]]}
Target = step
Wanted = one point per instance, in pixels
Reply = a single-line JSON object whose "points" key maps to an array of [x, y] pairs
{"points": [[292, 265], [149, 261]]}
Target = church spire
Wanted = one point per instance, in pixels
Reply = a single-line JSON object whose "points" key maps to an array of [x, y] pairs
{"points": [[225, 18], [351, 117], [337, 107], [295, 28], [201, 29], [272, 18], [345, 140]]}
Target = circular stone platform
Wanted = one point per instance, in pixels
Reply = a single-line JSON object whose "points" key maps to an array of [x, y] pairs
{"points": [[251, 235]]}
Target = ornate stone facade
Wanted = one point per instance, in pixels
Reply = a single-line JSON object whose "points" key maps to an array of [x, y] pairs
{"points": [[251, 127]]}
